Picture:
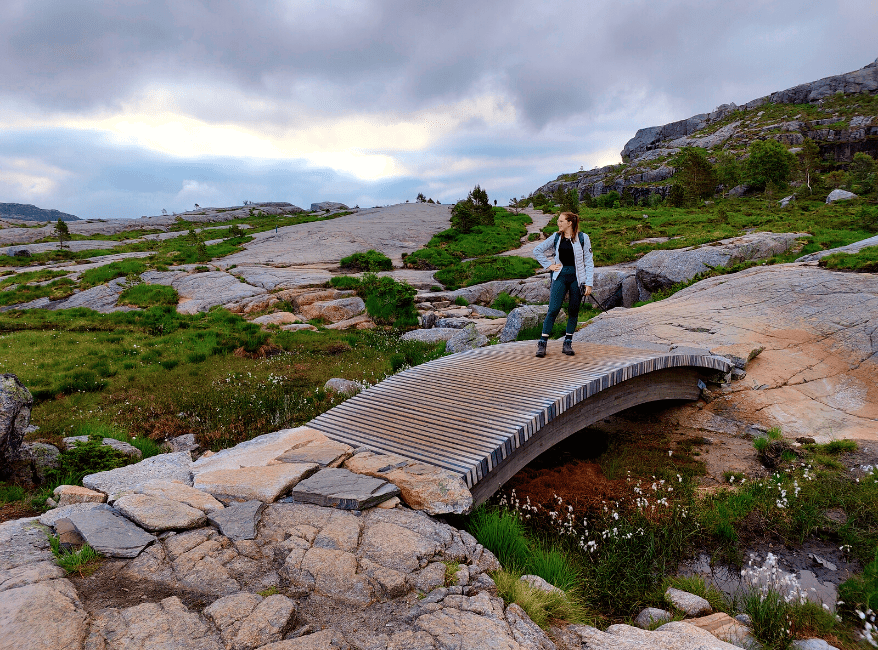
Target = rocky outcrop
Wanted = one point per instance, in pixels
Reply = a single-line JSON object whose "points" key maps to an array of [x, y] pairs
{"points": [[15, 405], [813, 332], [645, 168]]}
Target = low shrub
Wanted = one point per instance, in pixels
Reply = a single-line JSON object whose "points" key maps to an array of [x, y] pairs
{"points": [[85, 458], [504, 302], [461, 301], [389, 302], [371, 260], [345, 282], [430, 258]]}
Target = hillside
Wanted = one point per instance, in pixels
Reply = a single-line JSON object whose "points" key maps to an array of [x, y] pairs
{"points": [[28, 212], [839, 113]]}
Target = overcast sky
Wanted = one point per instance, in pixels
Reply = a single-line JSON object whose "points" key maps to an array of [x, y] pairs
{"points": [[122, 108]]}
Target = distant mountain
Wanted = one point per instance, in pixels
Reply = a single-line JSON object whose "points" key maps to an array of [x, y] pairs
{"points": [[29, 212]]}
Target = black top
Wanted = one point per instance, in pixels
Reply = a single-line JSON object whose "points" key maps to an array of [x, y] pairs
{"points": [[565, 252]]}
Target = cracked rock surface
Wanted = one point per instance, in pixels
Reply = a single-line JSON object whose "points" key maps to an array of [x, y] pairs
{"points": [[815, 332]]}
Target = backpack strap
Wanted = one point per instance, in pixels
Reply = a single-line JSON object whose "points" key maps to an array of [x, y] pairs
{"points": [[555, 243], [582, 240]]}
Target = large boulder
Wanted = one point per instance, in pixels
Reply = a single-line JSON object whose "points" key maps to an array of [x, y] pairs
{"points": [[15, 405], [523, 317], [467, 338], [840, 195], [432, 335], [328, 205], [334, 310], [660, 269]]}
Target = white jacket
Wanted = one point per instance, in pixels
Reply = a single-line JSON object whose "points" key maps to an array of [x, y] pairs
{"points": [[582, 256]]}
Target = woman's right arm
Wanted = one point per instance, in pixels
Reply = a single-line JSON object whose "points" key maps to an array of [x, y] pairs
{"points": [[540, 252]]}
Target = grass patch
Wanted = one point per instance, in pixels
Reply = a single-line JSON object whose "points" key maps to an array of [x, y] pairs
{"points": [[149, 295], [84, 562], [542, 607], [486, 269], [111, 271], [865, 261]]}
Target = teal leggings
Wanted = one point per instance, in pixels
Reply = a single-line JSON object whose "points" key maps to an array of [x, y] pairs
{"points": [[566, 281]]}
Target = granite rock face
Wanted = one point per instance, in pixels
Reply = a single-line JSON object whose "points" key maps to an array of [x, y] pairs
{"points": [[156, 513], [341, 488], [201, 291], [334, 311], [431, 335], [523, 317], [42, 616], [812, 363], [172, 467], [181, 493], [109, 533], [15, 405], [467, 338], [67, 495], [253, 483], [239, 520], [422, 486]]}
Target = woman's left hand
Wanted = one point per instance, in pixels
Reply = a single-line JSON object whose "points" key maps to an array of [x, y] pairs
{"points": [[587, 292]]}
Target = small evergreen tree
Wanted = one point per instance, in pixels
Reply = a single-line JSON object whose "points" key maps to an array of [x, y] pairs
{"points": [[462, 217], [862, 173], [768, 162], [570, 202], [63, 233], [481, 206], [421, 198], [695, 173]]}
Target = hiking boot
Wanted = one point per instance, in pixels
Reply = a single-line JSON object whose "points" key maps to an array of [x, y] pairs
{"points": [[568, 347], [541, 347]]}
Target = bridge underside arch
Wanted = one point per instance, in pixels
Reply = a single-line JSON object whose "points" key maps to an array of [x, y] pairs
{"points": [[484, 414]]}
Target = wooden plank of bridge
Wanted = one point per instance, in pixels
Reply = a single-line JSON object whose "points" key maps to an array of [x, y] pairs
{"points": [[485, 413]]}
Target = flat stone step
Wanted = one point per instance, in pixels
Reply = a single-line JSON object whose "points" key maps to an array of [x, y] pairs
{"points": [[341, 488], [111, 534]]}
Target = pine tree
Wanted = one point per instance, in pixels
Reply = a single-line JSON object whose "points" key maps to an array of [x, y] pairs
{"points": [[695, 173], [62, 232]]}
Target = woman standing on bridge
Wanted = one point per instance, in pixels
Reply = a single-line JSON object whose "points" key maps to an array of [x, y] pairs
{"points": [[572, 271]]}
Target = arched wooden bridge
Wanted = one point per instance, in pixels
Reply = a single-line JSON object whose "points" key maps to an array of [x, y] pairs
{"points": [[486, 413]]}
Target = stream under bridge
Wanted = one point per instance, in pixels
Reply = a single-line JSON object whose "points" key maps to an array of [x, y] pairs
{"points": [[486, 413]]}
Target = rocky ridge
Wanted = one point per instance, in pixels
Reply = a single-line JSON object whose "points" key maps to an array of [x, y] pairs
{"points": [[646, 167]]}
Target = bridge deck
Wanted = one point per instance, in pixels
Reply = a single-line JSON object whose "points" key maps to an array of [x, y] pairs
{"points": [[470, 412]]}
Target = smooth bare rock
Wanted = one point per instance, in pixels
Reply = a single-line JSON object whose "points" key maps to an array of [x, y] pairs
{"points": [[277, 318], [453, 628], [856, 247], [173, 467], [301, 300], [341, 488], [201, 291], [67, 495], [397, 547], [812, 644], [15, 407], [323, 640], [29, 574], [49, 517], [453, 322], [42, 616], [260, 451], [431, 335], [536, 582], [361, 322], [650, 616], [815, 374], [489, 326], [156, 513], [334, 310], [671, 636], [328, 205], [249, 483], [840, 195], [326, 453], [660, 269], [487, 312], [527, 633], [110, 534], [68, 537], [271, 278], [239, 520], [298, 327], [23, 542], [247, 621], [345, 386], [690, 603], [118, 445], [181, 493], [726, 628], [152, 626], [422, 486]]}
